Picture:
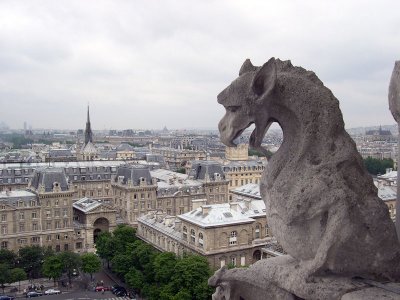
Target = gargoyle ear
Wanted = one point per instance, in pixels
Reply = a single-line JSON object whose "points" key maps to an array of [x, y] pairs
{"points": [[247, 67], [264, 80]]}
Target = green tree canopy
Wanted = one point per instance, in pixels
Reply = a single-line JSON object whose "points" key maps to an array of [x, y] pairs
{"points": [[5, 275], [8, 257], [134, 278], [53, 267], [378, 166], [70, 262], [90, 263], [123, 235], [191, 274], [164, 265], [31, 259], [18, 274], [104, 246]]}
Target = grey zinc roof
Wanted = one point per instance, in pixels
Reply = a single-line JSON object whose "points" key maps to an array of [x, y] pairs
{"points": [[201, 168], [134, 173], [12, 197], [124, 147], [47, 177], [60, 153]]}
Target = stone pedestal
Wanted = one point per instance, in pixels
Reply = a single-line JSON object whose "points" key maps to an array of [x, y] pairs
{"points": [[285, 278]]}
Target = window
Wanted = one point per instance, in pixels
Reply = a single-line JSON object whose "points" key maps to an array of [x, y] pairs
{"points": [[4, 245], [35, 239], [48, 238], [57, 236], [184, 235], [48, 224], [4, 229], [66, 237], [192, 236], [65, 223], [22, 241], [243, 260], [56, 212], [78, 245], [21, 216], [257, 231], [58, 248], [35, 226], [48, 213], [58, 226], [65, 212], [56, 202], [233, 260], [3, 217], [233, 238], [201, 242], [21, 227], [34, 215]]}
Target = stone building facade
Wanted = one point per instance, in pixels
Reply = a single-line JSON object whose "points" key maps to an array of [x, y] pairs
{"points": [[91, 217], [230, 233], [177, 158], [41, 215]]}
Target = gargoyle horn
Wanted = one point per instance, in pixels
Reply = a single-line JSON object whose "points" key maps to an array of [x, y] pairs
{"points": [[247, 67]]}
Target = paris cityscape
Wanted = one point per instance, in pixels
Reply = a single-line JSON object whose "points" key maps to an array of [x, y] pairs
{"points": [[118, 177]]}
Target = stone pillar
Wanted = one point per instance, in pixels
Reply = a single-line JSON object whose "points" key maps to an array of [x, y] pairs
{"points": [[394, 106]]}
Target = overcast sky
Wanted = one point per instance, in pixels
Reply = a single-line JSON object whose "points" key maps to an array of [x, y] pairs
{"points": [[150, 64]]}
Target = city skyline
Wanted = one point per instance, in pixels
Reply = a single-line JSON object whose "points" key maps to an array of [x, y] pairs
{"points": [[152, 64]]}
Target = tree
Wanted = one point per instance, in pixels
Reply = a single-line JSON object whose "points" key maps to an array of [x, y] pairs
{"points": [[5, 275], [90, 263], [123, 236], [191, 274], [18, 274], [181, 170], [104, 246], [377, 166], [252, 152], [121, 263], [30, 259], [134, 278], [53, 267], [70, 262], [164, 265], [8, 257]]}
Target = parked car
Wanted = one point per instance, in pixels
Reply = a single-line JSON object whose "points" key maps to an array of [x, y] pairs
{"points": [[114, 288], [5, 297], [121, 292], [52, 292], [101, 288], [33, 294]]}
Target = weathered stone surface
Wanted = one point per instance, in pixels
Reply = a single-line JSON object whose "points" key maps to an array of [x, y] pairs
{"points": [[394, 92], [394, 106], [321, 203], [373, 293], [277, 278]]}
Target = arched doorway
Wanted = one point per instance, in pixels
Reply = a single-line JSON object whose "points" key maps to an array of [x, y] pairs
{"points": [[256, 255], [100, 225]]}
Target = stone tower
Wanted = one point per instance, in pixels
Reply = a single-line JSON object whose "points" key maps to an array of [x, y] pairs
{"points": [[88, 130]]}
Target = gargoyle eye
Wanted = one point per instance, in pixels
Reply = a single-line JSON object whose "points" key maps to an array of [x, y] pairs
{"points": [[232, 108]]}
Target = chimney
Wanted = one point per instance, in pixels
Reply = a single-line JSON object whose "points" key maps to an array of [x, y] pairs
{"points": [[178, 225], [234, 206], [198, 202], [205, 209]]}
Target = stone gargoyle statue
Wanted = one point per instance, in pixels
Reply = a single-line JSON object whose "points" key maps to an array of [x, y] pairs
{"points": [[321, 203]]}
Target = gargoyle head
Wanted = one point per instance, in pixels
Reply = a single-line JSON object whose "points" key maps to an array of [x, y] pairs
{"points": [[245, 100]]}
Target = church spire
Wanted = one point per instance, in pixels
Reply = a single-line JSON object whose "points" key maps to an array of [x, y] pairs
{"points": [[88, 130]]}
